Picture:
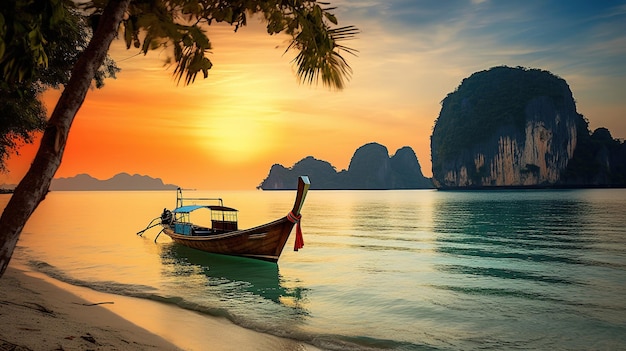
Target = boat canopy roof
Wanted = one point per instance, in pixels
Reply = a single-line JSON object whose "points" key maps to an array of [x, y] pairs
{"points": [[191, 208]]}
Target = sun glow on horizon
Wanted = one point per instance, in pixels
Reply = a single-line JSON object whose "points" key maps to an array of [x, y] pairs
{"points": [[226, 131], [234, 139]]}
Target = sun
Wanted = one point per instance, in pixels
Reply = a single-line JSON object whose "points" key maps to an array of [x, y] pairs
{"points": [[236, 138]]}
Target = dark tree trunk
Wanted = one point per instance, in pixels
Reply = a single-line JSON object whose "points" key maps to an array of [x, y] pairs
{"points": [[34, 186]]}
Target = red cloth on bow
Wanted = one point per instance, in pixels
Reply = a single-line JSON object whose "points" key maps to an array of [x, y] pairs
{"points": [[299, 243]]}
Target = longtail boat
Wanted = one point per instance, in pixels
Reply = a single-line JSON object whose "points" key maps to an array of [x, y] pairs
{"points": [[222, 236]]}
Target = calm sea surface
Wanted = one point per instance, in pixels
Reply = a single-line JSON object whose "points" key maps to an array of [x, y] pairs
{"points": [[399, 270]]}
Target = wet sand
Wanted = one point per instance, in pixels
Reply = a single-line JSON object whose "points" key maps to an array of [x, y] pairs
{"points": [[41, 313]]}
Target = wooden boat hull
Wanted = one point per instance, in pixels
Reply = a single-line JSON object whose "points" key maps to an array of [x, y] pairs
{"points": [[264, 242]]}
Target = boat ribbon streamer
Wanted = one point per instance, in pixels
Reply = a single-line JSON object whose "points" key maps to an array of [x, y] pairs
{"points": [[299, 239]]}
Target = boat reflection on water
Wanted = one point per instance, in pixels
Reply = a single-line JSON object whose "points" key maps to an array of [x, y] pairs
{"points": [[231, 275]]}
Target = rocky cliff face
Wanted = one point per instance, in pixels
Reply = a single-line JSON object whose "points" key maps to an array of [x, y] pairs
{"points": [[407, 172], [505, 127], [322, 172], [599, 161], [370, 168]]}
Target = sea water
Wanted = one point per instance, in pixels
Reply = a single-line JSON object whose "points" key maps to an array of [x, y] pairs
{"points": [[389, 270]]}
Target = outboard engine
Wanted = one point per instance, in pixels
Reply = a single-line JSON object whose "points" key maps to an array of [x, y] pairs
{"points": [[166, 216]]}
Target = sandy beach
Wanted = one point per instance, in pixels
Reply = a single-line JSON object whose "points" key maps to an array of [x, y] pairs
{"points": [[40, 313]]}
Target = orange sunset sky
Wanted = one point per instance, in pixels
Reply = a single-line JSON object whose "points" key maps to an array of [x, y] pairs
{"points": [[226, 131]]}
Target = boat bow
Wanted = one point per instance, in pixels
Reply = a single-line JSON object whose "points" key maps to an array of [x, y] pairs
{"points": [[294, 216], [264, 242]]}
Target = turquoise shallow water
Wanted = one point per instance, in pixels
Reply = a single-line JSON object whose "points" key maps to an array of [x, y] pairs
{"points": [[399, 270]]}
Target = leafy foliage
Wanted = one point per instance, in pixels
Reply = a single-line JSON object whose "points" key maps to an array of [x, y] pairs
{"points": [[22, 42], [181, 25], [318, 58], [189, 57], [20, 115], [41, 40], [57, 34]]}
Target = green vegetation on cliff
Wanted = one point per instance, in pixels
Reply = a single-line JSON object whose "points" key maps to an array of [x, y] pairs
{"points": [[519, 127], [487, 101], [599, 160]]}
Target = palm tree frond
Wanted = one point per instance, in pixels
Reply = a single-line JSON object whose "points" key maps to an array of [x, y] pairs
{"points": [[320, 56]]}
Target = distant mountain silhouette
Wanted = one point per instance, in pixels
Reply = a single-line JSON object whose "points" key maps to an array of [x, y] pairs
{"points": [[370, 168], [122, 181]]}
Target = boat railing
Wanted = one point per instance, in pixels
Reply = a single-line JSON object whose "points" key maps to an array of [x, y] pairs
{"points": [[180, 200]]}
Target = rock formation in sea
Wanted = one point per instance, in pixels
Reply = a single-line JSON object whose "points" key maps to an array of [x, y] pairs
{"points": [[516, 127], [121, 181], [371, 167], [599, 161]]}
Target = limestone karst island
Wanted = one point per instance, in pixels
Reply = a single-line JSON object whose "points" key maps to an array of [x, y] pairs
{"points": [[371, 168], [501, 128], [517, 127]]}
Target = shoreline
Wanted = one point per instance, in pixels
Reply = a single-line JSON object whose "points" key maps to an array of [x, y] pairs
{"points": [[47, 314]]}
